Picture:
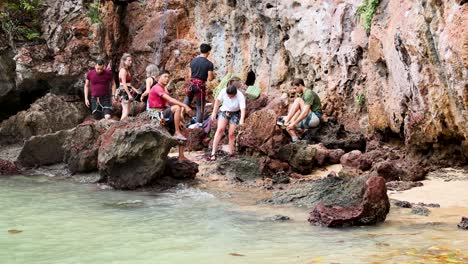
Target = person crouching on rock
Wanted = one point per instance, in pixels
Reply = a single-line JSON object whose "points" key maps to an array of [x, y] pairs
{"points": [[125, 87], [232, 112], [100, 81], [304, 113], [166, 109]]}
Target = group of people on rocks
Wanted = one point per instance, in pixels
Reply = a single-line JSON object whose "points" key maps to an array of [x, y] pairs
{"points": [[100, 91]]}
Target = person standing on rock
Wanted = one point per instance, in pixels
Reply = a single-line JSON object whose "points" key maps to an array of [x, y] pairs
{"points": [[125, 87], [201, 71], [166, 109], [152, 74], [304, 113], [232, 112], [99, 81]]}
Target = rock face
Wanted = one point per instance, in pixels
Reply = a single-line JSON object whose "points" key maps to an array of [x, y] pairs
{"points": [[371, 208], [49, 114], [300, 155], [133, 155]]}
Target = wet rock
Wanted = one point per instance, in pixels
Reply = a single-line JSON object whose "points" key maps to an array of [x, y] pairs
{"points": [[431, 205], [300, 155], [177, 169], [403, 204], [280, 178], [134, 154], [130, 204], [390, 171], [278, 218], [463, 224], [326, 156], [244, 169], [44, 149], [334, 136], [47, 115], [339, 200], [420, 210], [402, 185], [355, 159], [372, 209], [8, 168]]}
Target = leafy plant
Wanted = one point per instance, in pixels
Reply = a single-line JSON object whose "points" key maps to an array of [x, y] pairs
{"points": [[93, 13], [366, 12], [360, 100], [19, 19]]}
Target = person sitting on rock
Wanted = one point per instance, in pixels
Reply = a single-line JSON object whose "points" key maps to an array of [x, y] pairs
{"points": [[304, 113], [99, 80], [232, 112], [201, 70], [167, 109], [125, 87]]}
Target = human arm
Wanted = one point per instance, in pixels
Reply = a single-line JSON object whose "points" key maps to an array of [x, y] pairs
{"points": [[177, 102], [114, 89], [149, 83], [242, 118], [215, 109], [242, 106], [210, 75], [86, 92], [295, 121], [123, 79]]}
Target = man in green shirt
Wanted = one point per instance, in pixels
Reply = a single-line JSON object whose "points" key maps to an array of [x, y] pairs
{"points": [[304, 113]]}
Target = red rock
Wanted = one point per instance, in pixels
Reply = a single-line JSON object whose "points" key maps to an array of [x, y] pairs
{"points": [[8, 168]]}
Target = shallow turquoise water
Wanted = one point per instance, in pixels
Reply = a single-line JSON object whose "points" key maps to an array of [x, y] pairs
{"points": [[65, 222]]}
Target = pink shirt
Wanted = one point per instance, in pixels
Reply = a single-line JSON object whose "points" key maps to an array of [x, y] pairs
{"points": [[155, 98]]}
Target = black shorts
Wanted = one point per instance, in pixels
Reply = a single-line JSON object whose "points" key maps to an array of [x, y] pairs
{"points": [[101, 106]]}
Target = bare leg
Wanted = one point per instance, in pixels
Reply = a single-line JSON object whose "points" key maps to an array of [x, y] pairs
{"points": [[292, 133], [181, 153], [124, 110], [222, 123], [295, 107], [232, 138], [176, 110]]}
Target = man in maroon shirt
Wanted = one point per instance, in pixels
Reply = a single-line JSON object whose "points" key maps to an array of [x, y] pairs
{"points": [[100, 81]]}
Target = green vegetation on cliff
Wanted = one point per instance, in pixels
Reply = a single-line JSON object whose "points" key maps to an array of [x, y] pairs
{"points": [[366, 12], [19, 19]]}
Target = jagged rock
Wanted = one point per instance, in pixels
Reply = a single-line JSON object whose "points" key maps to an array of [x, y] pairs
{"points": [[402, 185], [134, 154], [244, 169], [463, 223], [8, 168], [300, 155], [420, 210], [326, 156], [44, 149], [82, 145], [432, 205], [334, 136], [260, 132], [270, 166], [185, 169], [49, 114], [370, 207], [280, 178], [195, 138], [355, 159], [403, 204]]}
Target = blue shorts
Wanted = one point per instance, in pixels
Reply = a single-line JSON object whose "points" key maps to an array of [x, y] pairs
{"points": [[312, 120], [232, 117]]}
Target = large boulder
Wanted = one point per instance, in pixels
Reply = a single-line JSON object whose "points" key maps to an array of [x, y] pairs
{"points": [[368, 205], [134, 154], [44, 149], [181, 170], [260, 133], [335, 136], [47, 115], [300, 155]]}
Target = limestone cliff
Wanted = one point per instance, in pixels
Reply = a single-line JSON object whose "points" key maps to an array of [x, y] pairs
{"points": [[406, 78]]}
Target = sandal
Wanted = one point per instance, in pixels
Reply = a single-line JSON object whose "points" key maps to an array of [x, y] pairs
{"points": [[211, 158], [181, 138]]}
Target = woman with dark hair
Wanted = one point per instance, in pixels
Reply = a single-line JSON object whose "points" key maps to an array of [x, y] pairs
{"points": [[232, 112]]}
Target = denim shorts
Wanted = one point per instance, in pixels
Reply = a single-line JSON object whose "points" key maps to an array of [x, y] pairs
{"points": [[232, 117], [312, 120]]}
